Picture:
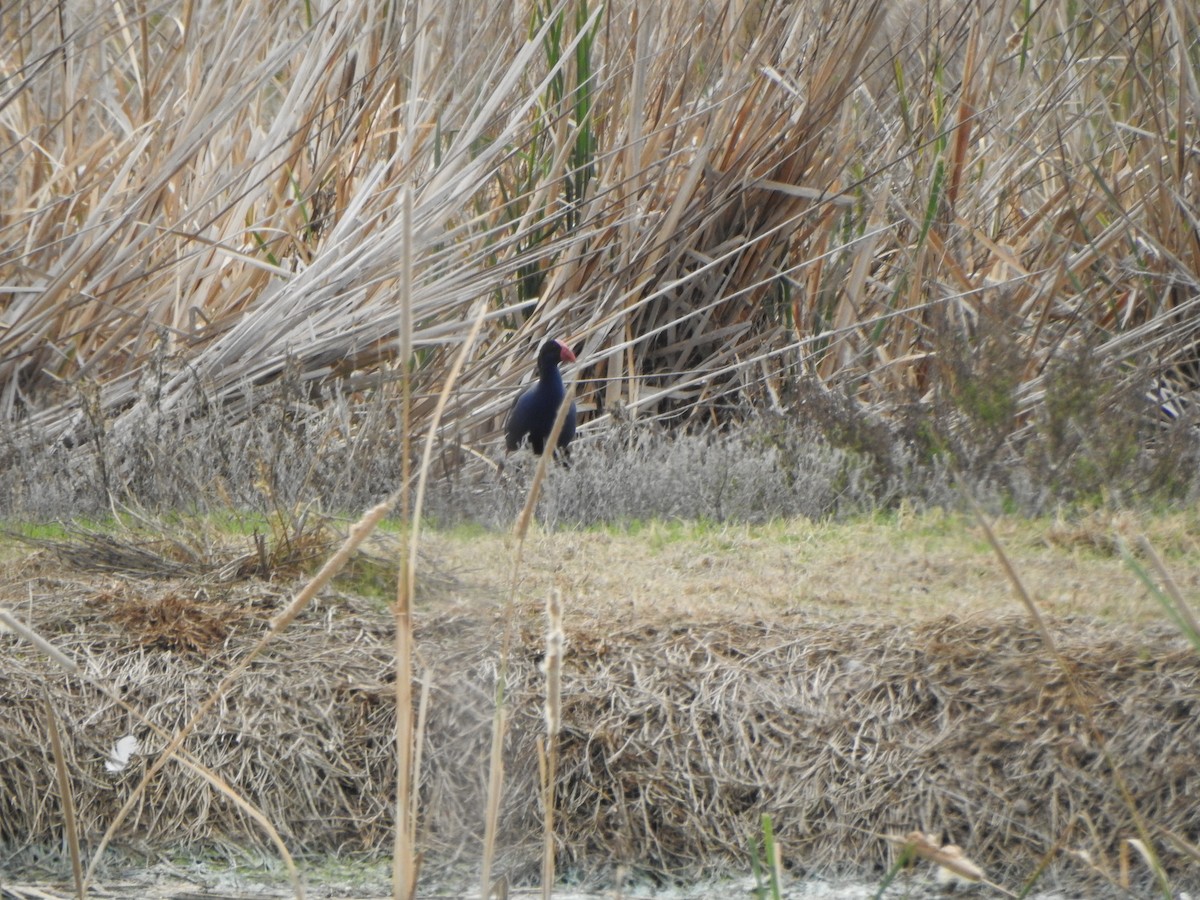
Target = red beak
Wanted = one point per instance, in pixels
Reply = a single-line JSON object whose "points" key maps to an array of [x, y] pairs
{"points": [[564, 353]]}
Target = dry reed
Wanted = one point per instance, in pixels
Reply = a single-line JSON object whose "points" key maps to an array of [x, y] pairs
{"points": [[791, 191], [675, 739], [199, 200], [67, 797], [548, 749]]}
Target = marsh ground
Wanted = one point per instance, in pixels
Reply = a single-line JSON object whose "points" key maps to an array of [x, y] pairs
{"points": [[895, 574], [898, 567]]}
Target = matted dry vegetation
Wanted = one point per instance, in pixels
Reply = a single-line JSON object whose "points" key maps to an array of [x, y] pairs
{"points": [[683, 719]]}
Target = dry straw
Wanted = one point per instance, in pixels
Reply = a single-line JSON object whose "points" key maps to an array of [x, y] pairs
{"points": [[279, 623], [1079, 700], [548, 750], [844, 733], [203, 198], [808, 189]]}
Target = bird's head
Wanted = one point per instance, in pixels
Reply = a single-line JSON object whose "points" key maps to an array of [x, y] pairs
{"points": [[554, 352]]}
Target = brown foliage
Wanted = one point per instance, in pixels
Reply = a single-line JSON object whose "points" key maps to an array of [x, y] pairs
{"points": [[675, 738], [199, 198]]}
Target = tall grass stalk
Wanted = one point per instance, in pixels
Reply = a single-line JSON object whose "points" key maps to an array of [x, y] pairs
{"points": [[496, 759], [67, 796], [404, 858], [1166, 591], [555, 649], [769, 883]]}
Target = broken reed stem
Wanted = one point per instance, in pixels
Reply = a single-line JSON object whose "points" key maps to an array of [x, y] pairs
{"points": [[12, 623], [403, 857], [403, 861], [419, 746], [404, 879], [1075, 692], [949, 857], [435, 422], [520, 530], [68, 798], [776, 862], [555, 648], [494, 791]]}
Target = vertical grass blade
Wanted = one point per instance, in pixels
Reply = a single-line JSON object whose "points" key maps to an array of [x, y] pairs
{"points": [[555, 647]]}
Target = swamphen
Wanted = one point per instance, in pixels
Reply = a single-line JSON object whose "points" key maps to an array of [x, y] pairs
{"points": [[535, 409]]}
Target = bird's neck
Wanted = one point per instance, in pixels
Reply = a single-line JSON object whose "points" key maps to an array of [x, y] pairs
{"points": [[551, 378]]}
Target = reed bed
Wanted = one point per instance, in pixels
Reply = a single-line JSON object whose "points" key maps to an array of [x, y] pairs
{"points": [[718, 203], [673, 739]]}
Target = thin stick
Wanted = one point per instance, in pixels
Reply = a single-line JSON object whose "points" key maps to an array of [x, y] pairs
{"points": [[520, 530], [68, 799], [1184, 610], [555, 646]]}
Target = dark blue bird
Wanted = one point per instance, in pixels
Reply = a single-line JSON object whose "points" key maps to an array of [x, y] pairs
{"points": [[535, 409]]}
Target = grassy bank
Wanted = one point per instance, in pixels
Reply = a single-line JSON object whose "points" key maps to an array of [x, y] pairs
{"points": [[732, 662]]}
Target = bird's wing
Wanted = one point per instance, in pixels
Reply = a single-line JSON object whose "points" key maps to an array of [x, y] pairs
{"points": [[516, 426]]}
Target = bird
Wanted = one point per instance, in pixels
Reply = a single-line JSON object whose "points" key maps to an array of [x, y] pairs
{"points": [[533, 412]]}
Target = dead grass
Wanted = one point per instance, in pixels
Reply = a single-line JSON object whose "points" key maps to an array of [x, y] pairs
{"points": [[711, 674], [909, 566], [724, 206]]}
